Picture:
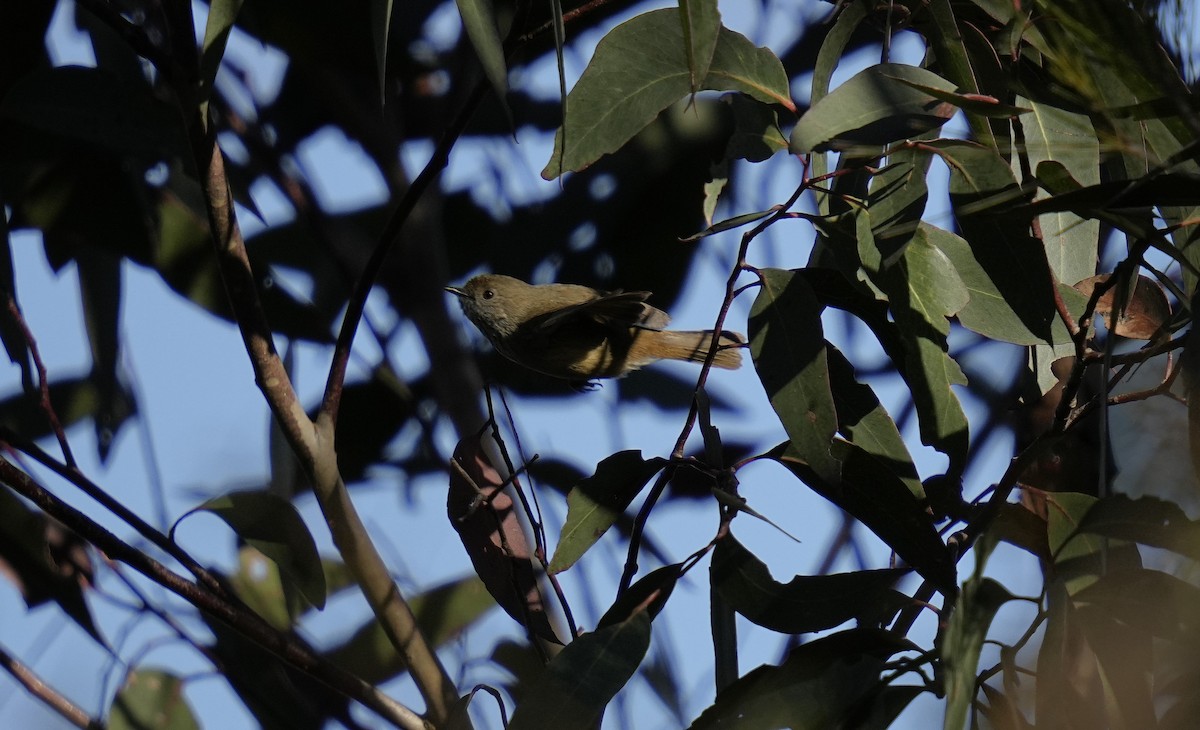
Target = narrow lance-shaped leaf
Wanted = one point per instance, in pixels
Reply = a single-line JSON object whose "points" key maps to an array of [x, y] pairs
{"points": [[479, 20], [923, 290], [873, 108], [981, 599], [221, 16], [700, 21], [788, 348], [864, 421], [584, 677], [596, 502], [381, 21]]}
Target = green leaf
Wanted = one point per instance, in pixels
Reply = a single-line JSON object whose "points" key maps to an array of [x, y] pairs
{"points": [[1146, 520], [873, 108], [700, 21], [1068, 139], [151, 700], [828, 58], [982, 190], [980, 600], [381, 23], [442, 612], [981, 104], [923, 290], [756, 135], [987, 311], [729, 224], [877, 498], [479, 20], [596, 503], [639, 69], [272, 525], [864, 421], [580, 681], [832, 682], [221, 17], [807, 602], [788, 348], [946, 40]]}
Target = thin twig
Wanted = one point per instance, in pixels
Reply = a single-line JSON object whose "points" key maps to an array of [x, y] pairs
{"points": [[234, 615], [51, 697]]}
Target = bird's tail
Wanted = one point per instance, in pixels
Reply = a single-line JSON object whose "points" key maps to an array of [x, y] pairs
{"points": [[694, 346]]}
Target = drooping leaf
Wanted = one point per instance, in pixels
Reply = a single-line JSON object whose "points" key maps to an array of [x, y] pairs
{"points": [[151, 700], [381, 22], [807, 602], [923, 290], [584, 677], [877, 498], [827, 683], [272, 525], [980, 600], [982, 190], [221, 17], [863, 421], [483, 515], [874, 107], [988, 311], [700, 21], [638, 70], [480, 21], [596, 502], [788, 348]]}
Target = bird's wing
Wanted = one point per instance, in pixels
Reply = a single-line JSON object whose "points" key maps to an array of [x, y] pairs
{"points": [[623, 309]]}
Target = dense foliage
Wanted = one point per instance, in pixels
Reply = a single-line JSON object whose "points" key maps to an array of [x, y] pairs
{"points": [[1064, 236]]}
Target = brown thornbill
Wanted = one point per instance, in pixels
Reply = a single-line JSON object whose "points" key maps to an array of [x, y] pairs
{"points": [[579, 333]]}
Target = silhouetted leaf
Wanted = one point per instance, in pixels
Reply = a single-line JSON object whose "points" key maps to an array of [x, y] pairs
{"points": [[788, 348], [827, 683], [649, 594], [807, 602], [44, 561], [480, 21], [581, 680], [864, 421], [1146, 520], [878, 499], [595, 503]]}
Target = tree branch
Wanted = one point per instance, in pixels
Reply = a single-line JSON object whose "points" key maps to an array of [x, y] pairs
{"points": [[237, 617]]}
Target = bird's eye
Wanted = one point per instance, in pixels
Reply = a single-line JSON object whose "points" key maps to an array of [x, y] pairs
{"points": [[488, 293]]}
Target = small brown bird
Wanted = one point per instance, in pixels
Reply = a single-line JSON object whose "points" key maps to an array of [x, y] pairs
{"points": [[578, 333]]}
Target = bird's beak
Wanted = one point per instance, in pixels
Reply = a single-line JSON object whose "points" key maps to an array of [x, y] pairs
{"points": [[456, 291]]}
